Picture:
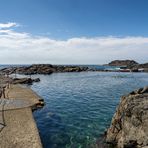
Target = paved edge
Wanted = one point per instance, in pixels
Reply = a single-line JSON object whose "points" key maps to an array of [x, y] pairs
{"points": [[20, 129]]}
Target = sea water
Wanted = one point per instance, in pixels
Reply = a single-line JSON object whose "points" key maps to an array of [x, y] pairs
{"points": [[79, 106]]}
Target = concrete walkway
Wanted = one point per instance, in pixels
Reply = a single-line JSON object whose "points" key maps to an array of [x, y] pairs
{"points": [[17, 125]]}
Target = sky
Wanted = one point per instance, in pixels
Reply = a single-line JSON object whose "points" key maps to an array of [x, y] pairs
{"points": [[73, 31]]}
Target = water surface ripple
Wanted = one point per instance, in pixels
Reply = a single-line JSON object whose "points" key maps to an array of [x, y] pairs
{"points": [[79, 106]]}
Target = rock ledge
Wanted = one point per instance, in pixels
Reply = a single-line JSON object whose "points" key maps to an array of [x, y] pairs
{"points": [[129, 126]]}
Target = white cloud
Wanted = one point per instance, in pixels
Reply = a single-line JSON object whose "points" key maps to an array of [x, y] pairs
{"points": [[8, 25], [17, 47]]}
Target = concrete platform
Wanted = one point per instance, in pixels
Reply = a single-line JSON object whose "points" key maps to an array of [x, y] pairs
{"points": [[17, 126], [13, 104]]}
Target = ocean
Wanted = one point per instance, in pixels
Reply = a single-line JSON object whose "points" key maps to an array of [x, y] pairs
{"points": [[79, 106]]}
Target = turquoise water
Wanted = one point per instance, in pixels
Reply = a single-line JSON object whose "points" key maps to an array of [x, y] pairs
{"points": [[79, 106]]}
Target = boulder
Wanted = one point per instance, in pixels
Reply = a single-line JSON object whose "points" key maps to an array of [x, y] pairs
{"points": [[129, 126], [24, 80], [36, 80]]}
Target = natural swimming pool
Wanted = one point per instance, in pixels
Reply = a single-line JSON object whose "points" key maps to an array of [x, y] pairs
{"points": [[79, 106]]}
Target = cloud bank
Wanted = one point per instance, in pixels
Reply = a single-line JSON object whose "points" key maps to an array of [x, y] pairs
{"points": [[24, 48], [8, 25]]}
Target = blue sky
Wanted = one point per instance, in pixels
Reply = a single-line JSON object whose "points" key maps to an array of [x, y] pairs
{"points": [[64, 20], [75, 18]]}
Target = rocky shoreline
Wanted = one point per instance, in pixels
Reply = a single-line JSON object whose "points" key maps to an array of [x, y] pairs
{"points": [[47, 69], [42, 69], [129, 126]]}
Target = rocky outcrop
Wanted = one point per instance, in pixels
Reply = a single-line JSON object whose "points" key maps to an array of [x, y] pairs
{"points": [[139, 66], [24, 80], [132, 65], [42, 69], [145, 65], [129, 126], [122, 63]]}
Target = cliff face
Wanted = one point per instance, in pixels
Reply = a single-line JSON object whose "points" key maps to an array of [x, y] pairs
{"points": [[122, 63], [129, 126]]}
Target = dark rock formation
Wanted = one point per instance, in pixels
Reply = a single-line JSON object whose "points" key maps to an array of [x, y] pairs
{"points": [[35, 69], [10, 80], [129, 126], [123, 63], [139, 66], [42, 69], [24, 80], [38, 105], [130, 64], [36, 80]]}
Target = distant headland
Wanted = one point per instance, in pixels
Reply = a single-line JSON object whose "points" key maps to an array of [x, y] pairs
{"points": [[129, 65], [123, 63]]}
